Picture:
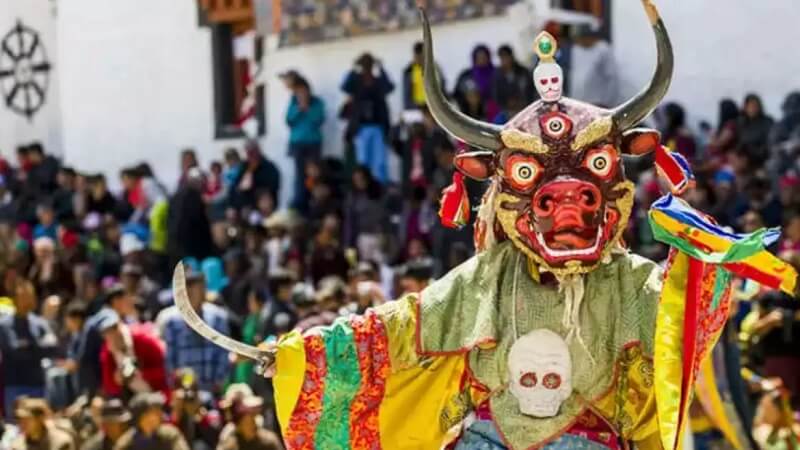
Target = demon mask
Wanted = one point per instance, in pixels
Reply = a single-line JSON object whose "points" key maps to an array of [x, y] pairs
{"points": [[559, 190]]}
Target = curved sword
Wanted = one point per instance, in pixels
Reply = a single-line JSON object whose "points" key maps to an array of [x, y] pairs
{"points": [[265, 358]]}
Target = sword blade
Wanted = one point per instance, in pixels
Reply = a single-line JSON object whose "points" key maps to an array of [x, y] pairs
{"points": [[190, 316]]}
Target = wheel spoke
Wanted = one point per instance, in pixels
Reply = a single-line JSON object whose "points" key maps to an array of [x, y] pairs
{"points": [[7, 50], [6, 73], [12, 95], [20, 38], [28, 100], [34, 46], [41, 67]]}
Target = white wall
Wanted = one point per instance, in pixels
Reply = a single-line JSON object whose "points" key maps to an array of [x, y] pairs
{"points": [[137, 84], [723, 48], [326, 64], [44, 126], [136, 75]]}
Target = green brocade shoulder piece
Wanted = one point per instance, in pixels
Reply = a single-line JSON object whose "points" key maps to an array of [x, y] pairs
{"points": [[474, 305]]}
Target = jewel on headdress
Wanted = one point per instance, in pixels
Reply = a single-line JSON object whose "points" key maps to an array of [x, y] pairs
{"points": [[546, 47], [548, 76]]}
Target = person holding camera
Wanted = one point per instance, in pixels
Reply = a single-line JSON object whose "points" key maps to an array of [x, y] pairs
{"points": [[367, 112]]}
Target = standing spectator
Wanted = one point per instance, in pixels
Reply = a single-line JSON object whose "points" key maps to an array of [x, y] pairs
{"points": [[367, 86], [258, 173], [25, 340], [189, 228], [754, 128], [726, 137], [594, 77], [305, 118], [33, 416], [64, 196], [477, 81], [784, 140], [413, 80], [188, 162], [114, 422], [365, 215], [149, 432], [513, 83], [187, 349], [100, 200], [248, 433], [74, 320]]}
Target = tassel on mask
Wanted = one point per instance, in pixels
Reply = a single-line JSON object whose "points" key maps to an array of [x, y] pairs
{"points": [[454, 211]]}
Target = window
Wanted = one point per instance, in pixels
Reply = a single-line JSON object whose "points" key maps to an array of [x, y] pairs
{"points": [[236, 59]]}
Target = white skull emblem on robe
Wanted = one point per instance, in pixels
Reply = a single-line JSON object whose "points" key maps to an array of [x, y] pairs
{"points": [[540, 371]]}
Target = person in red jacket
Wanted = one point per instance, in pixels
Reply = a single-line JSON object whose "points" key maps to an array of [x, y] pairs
{"points": [[132, 361]]}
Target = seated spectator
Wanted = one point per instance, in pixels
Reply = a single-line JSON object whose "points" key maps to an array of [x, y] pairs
{"points": [[131, 362], [327, 256], [187, 349], [114, 422], [149, 432], [278, 316], [33, 415], [47, 226], [25, 340], [48, 273], [257, 173], [513, 83], [754, 128], [199, 426], [790, 240], [247, 433], [775, 427], [476, 82], [677, 137], [416, 276]]}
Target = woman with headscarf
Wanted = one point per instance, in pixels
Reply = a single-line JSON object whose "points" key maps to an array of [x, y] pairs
{"points": [[754, 128], [477, 78]]}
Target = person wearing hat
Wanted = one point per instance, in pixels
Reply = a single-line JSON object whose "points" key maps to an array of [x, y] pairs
{"points": [[199, 426], [187, 349], [248, 432], [25, 339], [32, 415], [114, 422], [148, 431]]}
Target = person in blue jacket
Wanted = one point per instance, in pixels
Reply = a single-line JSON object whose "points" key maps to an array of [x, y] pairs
{"points": [[305, 118]]}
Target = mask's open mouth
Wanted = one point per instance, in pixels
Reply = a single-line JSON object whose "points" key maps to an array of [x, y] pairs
{"points": [[571, 242]]}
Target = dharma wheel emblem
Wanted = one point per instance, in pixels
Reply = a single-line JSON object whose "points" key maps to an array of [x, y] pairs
{"points": [[24, 70]]}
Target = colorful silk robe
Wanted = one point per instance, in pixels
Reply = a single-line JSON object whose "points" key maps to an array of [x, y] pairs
{"points": [[406, 375]]}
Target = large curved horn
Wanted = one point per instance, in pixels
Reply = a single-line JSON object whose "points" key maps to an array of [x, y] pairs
{"points": [[265, 358], [636, 109], [458, 124]]}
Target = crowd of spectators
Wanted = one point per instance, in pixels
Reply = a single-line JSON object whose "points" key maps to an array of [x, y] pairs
{"points": [[96, 356]]}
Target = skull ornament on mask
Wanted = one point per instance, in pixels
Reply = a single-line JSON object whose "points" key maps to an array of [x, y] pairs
{"points": [[559, 190], [540, 371], [548, 76]]}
